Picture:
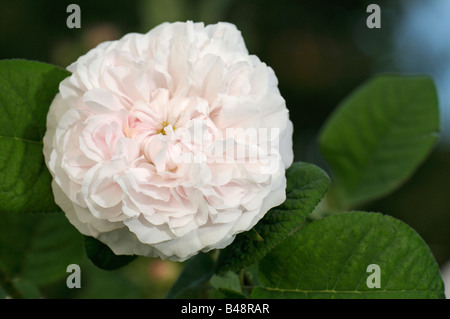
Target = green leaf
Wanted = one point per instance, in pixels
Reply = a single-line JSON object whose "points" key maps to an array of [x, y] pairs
{"points": [[230, 294], [27, 289], [37, 247], [229, 285], [193, 280], [329, 259], [379, 135], [26, 91], [306, 186], [229, 280], [103, 257]]}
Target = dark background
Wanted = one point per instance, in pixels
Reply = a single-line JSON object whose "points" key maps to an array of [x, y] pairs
{"points": [[320, 51]]}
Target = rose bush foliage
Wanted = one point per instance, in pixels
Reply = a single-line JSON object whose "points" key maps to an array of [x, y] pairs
{"points": [[177, 142]]}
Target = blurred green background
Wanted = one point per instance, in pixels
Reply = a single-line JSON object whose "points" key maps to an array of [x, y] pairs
{"points": [[320, 51]]}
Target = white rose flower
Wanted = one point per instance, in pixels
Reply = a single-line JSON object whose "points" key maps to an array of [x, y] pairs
{"points": [[141, 147]]}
